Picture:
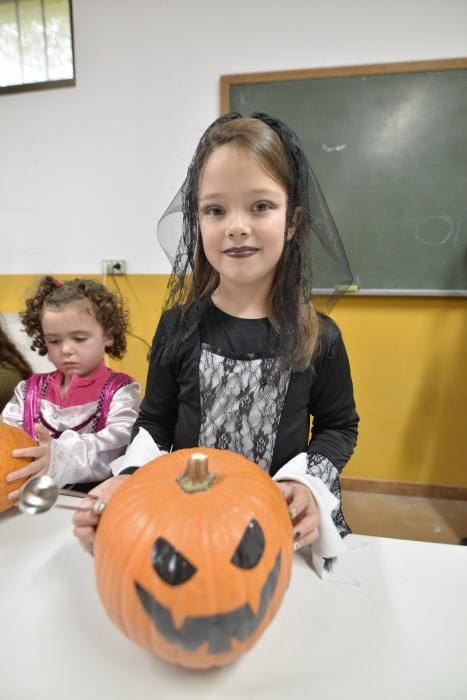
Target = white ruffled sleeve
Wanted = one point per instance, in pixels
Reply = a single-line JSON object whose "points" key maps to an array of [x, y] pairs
{"points": [[330, 544], [12, 413], [142, 450]]}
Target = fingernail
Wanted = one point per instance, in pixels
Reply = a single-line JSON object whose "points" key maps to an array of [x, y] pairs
{"points": [[99, 507], [15, 453], [9, 477], [293, 512]]}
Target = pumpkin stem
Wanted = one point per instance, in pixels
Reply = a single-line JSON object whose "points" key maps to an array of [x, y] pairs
{"points": [[196, 476]]}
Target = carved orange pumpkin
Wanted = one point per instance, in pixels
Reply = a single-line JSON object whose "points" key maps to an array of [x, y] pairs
{"points": [[193, 565], [11, 438]]}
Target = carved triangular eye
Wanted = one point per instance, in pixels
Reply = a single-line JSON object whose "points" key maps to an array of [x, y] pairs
{"points": [[172, 567], [251, 547]]}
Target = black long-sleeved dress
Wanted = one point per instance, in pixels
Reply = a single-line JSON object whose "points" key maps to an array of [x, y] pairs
{"points": [[225, 388]]}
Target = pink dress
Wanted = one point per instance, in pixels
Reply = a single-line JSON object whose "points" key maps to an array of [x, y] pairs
{"points": [[90, 426]]}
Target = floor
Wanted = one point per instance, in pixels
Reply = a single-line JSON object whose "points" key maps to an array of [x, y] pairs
{"points": [[406, 517]]}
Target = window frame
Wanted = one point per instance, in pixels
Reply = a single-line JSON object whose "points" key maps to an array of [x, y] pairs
{"points": [[47, 84]]}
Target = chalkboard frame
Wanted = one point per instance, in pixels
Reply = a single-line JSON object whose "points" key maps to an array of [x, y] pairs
{"points": [[231, 80]]}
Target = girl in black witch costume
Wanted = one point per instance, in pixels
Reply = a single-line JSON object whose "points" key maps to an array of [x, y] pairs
{"points": [[241, 360]]}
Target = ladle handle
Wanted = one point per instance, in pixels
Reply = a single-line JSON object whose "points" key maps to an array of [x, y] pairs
{"points": [[96, 511], [80, 494]]}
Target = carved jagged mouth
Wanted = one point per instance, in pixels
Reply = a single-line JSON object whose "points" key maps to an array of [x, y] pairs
{"points": [[216, 630]]}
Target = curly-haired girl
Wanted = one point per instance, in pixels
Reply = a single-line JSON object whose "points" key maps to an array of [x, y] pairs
{"points": [[82, 413]]}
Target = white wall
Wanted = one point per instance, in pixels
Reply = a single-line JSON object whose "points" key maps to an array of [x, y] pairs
{"points": [[85, 172]]}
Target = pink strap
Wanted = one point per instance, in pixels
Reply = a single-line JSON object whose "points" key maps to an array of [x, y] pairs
{"points": [[32, 400], [114, 383]]}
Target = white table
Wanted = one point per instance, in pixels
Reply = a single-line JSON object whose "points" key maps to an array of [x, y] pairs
{"points": [[400, 635]]}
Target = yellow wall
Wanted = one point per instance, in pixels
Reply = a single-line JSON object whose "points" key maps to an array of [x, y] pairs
{"points": [[408, 357], [409, 365]]}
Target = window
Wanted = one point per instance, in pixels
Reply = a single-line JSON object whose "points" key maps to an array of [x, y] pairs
{"points": [[36, 45]]}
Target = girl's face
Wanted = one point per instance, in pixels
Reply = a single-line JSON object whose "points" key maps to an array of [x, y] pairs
{"points": [[75, 340], [242, 214]]}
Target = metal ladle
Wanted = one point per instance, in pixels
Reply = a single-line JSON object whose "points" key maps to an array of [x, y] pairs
{"points": [[39, 494]]}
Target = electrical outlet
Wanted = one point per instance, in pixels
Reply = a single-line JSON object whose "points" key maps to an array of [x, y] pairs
{"points": [[113, 267]]}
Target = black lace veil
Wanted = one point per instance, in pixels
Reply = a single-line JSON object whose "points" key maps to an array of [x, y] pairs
{"points": [[326, 269]]}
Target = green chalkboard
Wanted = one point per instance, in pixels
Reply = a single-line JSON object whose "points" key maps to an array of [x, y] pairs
{"points": [[389, 147]]}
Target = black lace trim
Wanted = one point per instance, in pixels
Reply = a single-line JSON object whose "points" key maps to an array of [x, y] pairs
{"points": [[324, 469]]}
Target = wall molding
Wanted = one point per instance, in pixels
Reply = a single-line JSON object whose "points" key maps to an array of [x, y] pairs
{"points": [[404, 488]]}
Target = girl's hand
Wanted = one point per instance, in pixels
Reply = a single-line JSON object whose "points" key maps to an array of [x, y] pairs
{"points": [[40, 463], [85, 523], [303, 510]]}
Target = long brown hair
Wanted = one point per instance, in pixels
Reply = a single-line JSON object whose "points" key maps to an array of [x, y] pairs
{"points": [[10, 354], [292, 313]]}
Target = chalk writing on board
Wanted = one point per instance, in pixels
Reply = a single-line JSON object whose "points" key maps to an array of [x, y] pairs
{"points": [[330, 149], [435, 230]]}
